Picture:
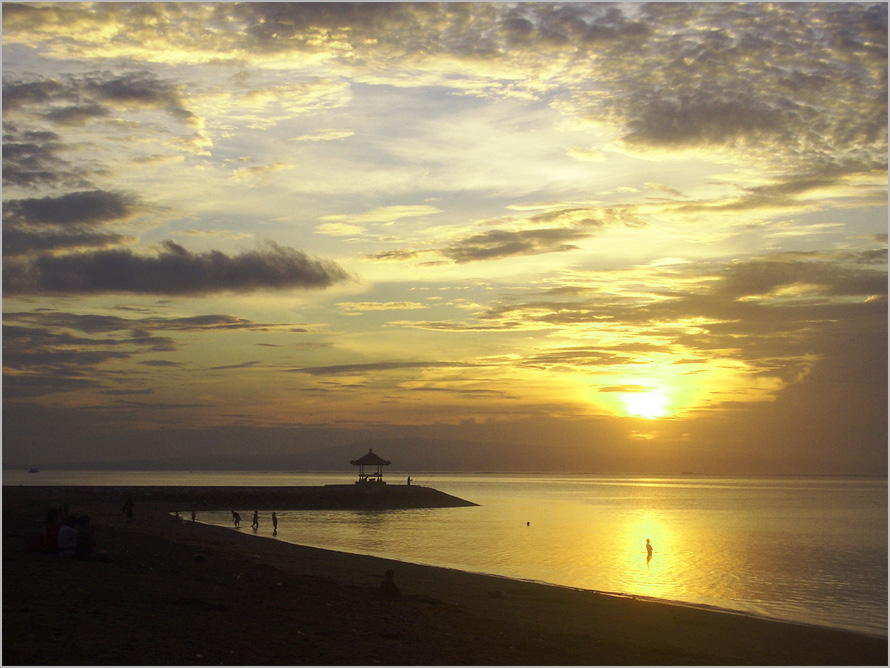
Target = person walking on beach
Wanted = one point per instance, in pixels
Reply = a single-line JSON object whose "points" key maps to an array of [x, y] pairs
{"points": [[256, 520], [389, 588], [648, 550], [274, 524], [236, 518]]}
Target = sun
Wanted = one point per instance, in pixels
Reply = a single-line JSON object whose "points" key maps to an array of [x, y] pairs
{"points": [[649, 405]]}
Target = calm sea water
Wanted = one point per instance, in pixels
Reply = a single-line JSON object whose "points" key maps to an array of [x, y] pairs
{"points": [[810, 550]]}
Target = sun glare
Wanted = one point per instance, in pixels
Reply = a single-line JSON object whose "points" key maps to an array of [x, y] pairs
{"points": [[649, 405]]}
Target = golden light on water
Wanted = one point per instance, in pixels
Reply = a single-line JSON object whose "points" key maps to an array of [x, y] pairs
{"points": [[648, 576]]}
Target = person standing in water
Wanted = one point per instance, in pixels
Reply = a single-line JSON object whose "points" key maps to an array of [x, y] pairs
{"points": [[236, 518], [256, 520], [648, 550], [274, 524]]}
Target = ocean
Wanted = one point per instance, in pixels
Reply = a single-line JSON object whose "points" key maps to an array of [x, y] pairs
{"points": [[811, 550]]}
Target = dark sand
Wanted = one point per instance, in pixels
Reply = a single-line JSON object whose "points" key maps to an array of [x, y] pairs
{"points": [[194, 594]]}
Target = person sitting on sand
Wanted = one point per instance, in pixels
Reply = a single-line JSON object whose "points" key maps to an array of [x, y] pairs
{"points": [[51, 530], [236, 518], [388, 587], [68, 537], [256, 520], [84, 542]]}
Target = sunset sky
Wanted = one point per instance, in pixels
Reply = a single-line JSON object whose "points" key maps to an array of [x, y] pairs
{"points": [[641, 237]]}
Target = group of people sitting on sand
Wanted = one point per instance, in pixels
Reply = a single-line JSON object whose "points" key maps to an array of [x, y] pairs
{"points": [[68, 535]]}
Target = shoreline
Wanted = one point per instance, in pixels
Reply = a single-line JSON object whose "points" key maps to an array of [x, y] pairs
{"points": [[188, 593], [601, 592], [705, 607]]}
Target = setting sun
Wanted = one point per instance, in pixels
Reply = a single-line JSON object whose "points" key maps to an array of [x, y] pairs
{"points": [[649, 405]]}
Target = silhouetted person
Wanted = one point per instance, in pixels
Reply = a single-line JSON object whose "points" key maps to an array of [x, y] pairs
{"points": [[409, 481], [648, 550], [51, 530], [194, 515], [68, 537], [84, 542], [274, 524], [236, 519], [256, 520], [128, 509], [388, 587]]}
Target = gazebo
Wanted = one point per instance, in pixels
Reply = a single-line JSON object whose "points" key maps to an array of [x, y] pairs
{"points": [[370, 460]]}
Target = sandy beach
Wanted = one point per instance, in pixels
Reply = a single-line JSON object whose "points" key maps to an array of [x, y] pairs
{"points": [[185, 593]]}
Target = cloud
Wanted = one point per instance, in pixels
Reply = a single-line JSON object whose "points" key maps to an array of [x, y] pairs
{"points": [[359, 369], [359, 307], [550, 231], [385, 214], [64, 222], [23, 242], [173, 271], [86, 208], [32, 158], [498, 244], [250, 174], [781, 275], [38, 361], [746, 83], [95, 324], [74, 100], [328, 134]]}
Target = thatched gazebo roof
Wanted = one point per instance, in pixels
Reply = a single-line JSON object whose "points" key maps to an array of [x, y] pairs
{"points": [[370, 459]]}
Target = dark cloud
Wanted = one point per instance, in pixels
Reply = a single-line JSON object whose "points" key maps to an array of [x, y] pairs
{"points": [[74, 100], [806, 86], [31, 158], [701, 117], [138, 90], [67, 221], [503, 243], [173, 271], [551, 231], [24, 242], [22, 93], [395, 255], [39, 361], [86, 208], [762, 277], [47, 352], [95, 324], [76, 114]]}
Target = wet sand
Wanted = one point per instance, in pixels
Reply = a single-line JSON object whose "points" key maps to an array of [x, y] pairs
{"points": [[184, 593]]}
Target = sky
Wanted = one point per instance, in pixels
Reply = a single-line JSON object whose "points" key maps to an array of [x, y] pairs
{"points": [[609, 237]]}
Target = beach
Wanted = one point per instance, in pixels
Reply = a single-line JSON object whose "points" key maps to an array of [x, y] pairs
{"points": [[185, 593]]}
